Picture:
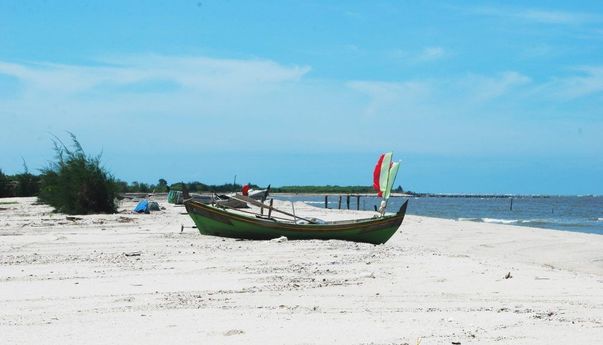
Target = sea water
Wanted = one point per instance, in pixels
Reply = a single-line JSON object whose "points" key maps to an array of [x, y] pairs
{"points": [[570, 213]]}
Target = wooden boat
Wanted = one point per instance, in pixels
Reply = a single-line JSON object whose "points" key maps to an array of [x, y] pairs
{"points": [[217, 221]]}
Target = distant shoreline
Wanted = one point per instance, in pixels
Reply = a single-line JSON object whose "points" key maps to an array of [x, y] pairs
{"points": [[437, 195], [393, 195]]}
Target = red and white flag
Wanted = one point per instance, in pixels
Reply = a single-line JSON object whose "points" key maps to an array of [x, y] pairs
{"points": [[385, 175]]}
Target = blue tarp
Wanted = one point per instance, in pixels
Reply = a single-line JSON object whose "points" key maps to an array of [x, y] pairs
{"points": [[143, 206]]}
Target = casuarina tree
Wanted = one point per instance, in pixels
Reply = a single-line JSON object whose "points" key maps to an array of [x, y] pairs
{"points": [[76, 183]]}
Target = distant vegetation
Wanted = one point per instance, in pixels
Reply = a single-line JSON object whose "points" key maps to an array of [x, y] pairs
{"points": [[162, 186], [199, 187], [5, 188], [27, 183], [229, 187], [75, 183], [328, 189], [21, 185]]}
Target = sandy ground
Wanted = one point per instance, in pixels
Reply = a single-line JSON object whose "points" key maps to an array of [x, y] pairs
{"points": [[135, 279]]}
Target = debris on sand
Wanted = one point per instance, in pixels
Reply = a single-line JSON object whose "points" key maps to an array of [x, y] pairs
{"points": [[123, 219], [233, 332], [279, 240]]}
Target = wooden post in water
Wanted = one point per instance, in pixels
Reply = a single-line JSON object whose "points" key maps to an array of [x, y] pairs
{"points": [[358, 202], [347, 200], [339, 203], [511, 207], [326, 201]]}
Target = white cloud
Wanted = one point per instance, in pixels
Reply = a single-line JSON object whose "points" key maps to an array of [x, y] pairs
{"points": [[385, 96], [484, 88], [538, 15], [539, 50], [261, 105], [555, 17], [463, 91], [588, 82], [189, 95], [189, 72], [502, 113], [427, 54], [389, 90], [431, 53]]}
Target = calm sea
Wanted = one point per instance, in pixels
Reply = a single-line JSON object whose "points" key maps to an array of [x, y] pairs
{"points": [[570, 213]]}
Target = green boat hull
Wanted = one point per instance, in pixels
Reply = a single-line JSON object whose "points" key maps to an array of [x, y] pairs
{"points": [[214, 221]]}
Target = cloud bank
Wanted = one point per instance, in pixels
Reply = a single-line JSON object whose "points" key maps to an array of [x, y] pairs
{"points": [[263, 106]]}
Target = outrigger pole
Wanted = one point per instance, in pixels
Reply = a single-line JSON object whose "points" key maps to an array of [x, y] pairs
{"points": [[260, 204]]}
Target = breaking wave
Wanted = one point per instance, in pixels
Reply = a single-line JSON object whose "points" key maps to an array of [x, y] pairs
{"points": [[469, 219], [499, 221], [539, 223], [490, 220]]}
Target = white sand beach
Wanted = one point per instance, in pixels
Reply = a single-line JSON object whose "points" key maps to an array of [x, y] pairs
{"points": [[135, 279]]}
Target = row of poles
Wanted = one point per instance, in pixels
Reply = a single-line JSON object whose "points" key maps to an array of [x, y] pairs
{"points": [[348, 197], [347, 201]]}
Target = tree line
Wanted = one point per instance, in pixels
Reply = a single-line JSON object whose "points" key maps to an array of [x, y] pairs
{"points": [[329, 189], [27, 184], [23, 184], [76, 183]]}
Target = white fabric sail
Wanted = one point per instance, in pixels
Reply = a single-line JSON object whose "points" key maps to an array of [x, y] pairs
{"points": [[392, 172], [384, 175]]}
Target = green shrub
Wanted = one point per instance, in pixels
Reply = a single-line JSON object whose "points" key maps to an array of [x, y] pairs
{"points": [[27, 184], [76, 183], [4, 185]]}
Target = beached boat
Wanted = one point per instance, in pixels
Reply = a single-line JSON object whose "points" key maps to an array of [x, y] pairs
{"points": [[217, 221]]}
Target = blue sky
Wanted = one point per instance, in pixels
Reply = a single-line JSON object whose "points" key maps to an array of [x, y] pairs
{"points": [[473, 97]]}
